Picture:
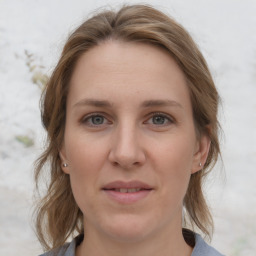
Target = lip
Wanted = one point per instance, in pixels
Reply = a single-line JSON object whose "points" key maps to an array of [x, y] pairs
{"points": [[127, 198], [131, 184]]}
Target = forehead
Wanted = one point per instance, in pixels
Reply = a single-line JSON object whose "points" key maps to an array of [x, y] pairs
{"points": [[129, 70], [117, 56]]}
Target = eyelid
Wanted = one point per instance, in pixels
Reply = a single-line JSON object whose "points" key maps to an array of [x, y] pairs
{"points": [[86, 117], [167, 116]]}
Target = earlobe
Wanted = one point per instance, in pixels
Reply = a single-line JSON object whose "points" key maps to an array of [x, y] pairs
{"points": [[64, 162], [201, 154]]}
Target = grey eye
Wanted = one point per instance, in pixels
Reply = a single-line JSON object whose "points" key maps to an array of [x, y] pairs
{"points": [[159, 119], [97, 120]]}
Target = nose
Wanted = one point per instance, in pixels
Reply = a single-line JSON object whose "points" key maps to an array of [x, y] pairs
{"points": [[126, 151]]}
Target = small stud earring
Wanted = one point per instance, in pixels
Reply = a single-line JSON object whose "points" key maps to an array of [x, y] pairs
{"points": [[200, 164], [65, 165]]}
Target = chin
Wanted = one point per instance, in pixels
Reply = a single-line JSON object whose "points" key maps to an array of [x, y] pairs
{"points": [[128, 229]]}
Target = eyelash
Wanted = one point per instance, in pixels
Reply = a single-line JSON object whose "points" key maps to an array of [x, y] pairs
{"points": [[86, 120], [169, 119]]}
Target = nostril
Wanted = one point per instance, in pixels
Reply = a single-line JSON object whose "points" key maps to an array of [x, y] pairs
{"points": [[126, 158], [115, 163]]}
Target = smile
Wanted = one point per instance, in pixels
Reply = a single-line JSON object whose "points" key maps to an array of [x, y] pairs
{"points": [[127, 192]]}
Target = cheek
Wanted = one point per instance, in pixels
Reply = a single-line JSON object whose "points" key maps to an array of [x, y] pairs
{"points": [[84, 152], [175, 154], [85, 160], [174, 163]]}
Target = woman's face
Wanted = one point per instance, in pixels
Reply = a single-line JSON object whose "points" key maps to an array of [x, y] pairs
{"points": [[130, 140]]}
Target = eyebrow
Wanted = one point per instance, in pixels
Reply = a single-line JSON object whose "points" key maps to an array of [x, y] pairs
{"points": [[160, 103], [145, 104], [93, 102]]}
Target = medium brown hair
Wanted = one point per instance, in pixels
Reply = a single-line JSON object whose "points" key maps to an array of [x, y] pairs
{"points": [[57, 214]]}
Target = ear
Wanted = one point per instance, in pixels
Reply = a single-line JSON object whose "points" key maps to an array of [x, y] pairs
{"points": [[62, 154], [201, 153]]}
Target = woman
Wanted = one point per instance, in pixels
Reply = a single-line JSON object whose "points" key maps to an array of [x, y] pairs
{"points": [[131, 116]]}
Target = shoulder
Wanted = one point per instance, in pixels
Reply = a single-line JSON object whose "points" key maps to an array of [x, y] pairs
{"points": [[68, 249], [202, 248]]}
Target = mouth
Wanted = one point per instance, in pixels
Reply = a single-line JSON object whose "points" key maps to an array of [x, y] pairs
{"points": [[127, 192]]}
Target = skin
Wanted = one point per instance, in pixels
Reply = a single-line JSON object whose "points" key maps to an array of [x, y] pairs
{"points": [[134, 138]]}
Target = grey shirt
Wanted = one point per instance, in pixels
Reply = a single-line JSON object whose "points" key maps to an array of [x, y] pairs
{"points": [[201, 249]]}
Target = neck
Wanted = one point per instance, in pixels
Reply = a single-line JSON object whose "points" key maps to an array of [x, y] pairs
{"points": [[163, 243]]}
